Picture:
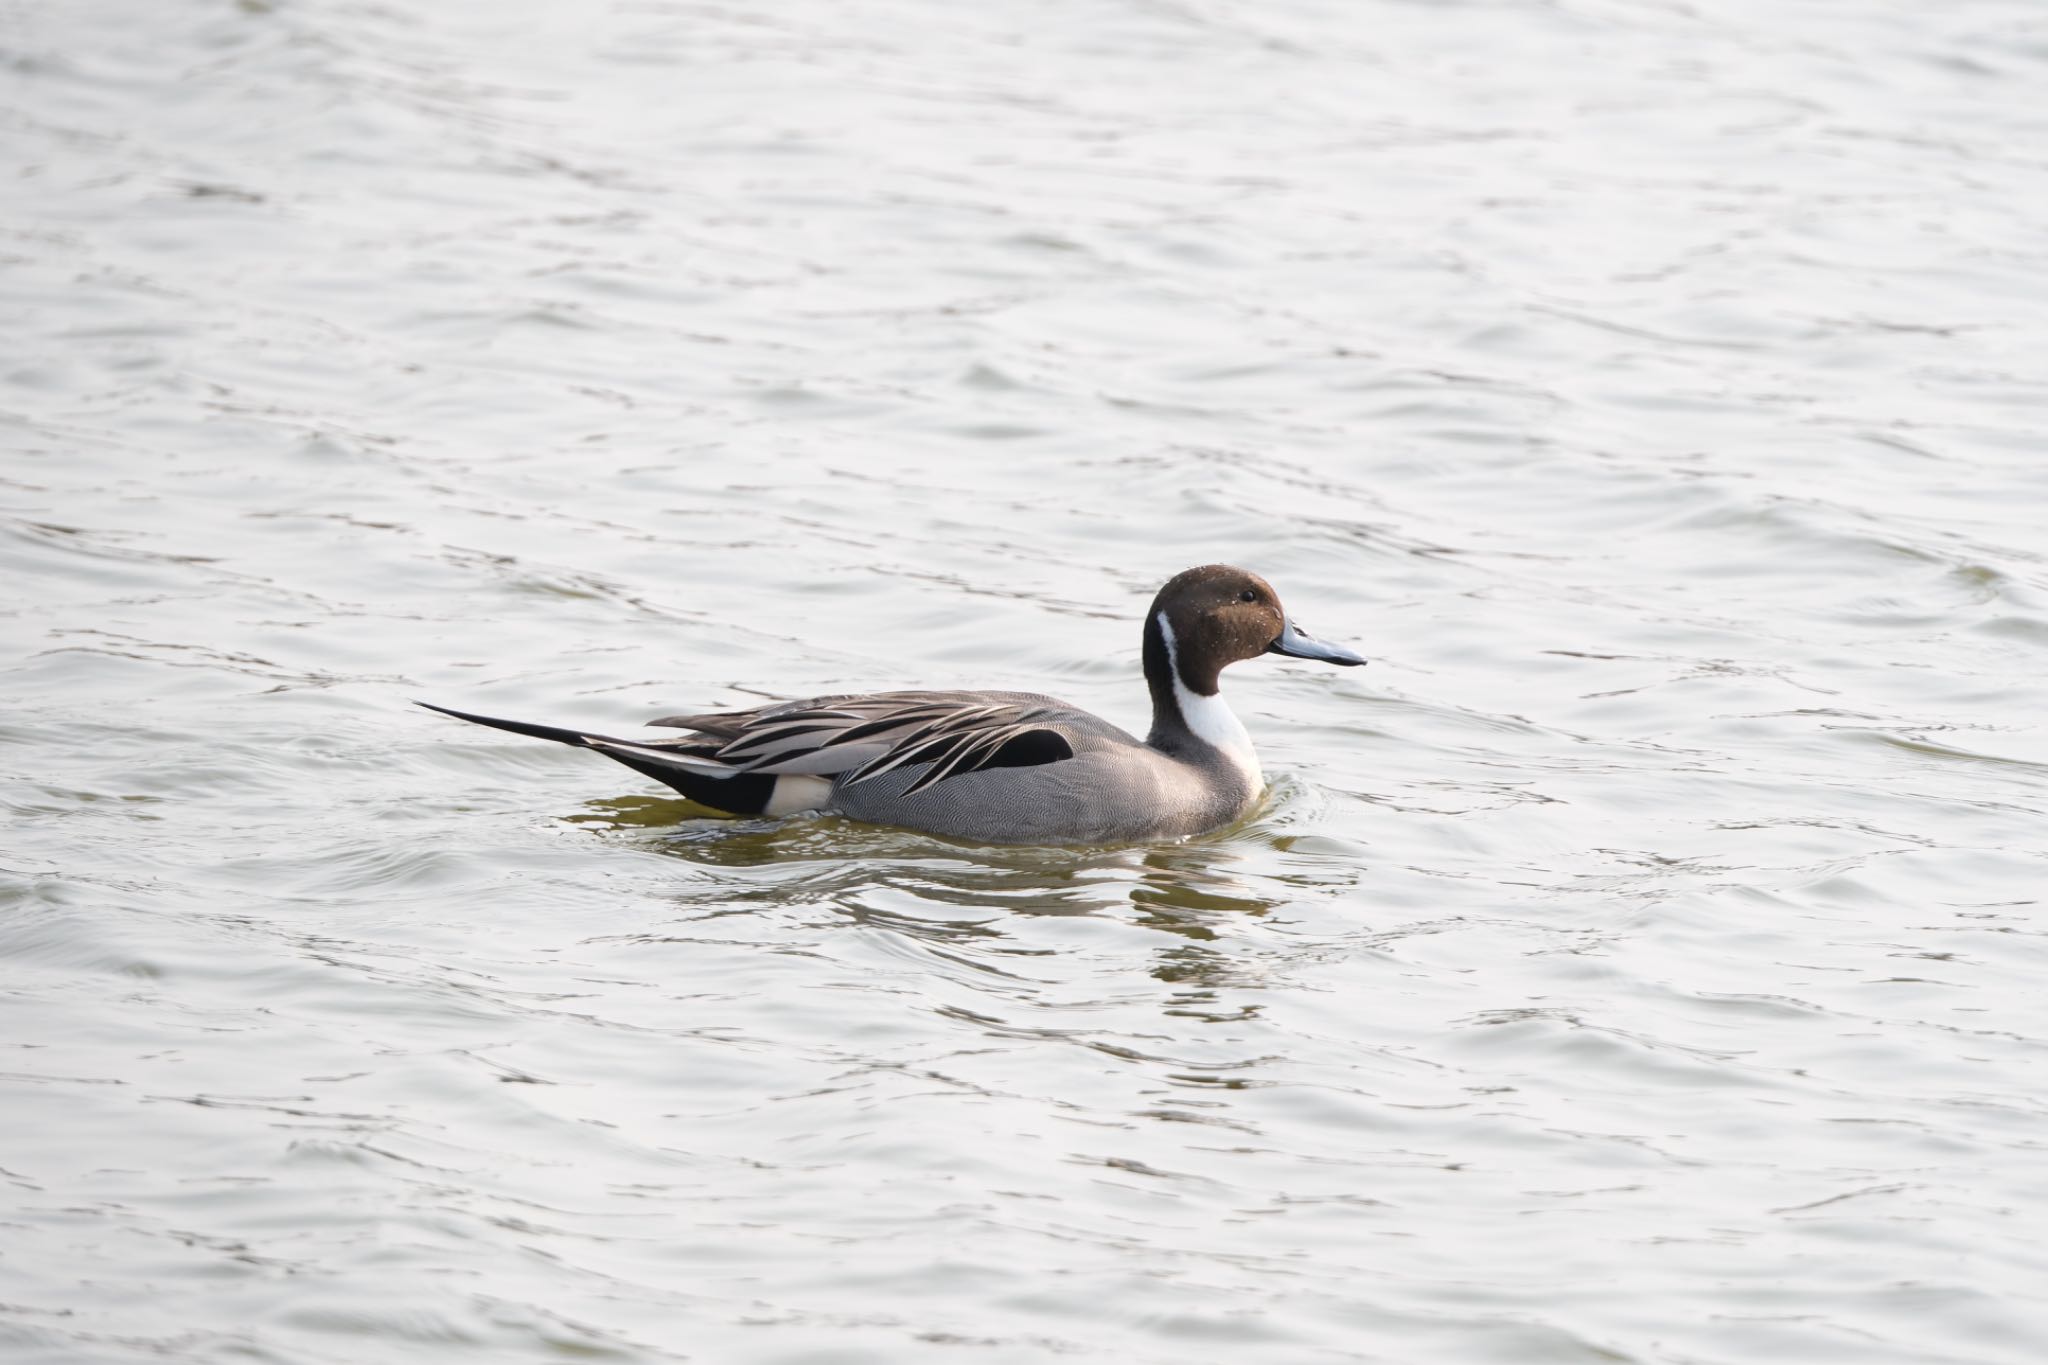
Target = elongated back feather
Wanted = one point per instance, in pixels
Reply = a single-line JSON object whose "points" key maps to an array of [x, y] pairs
{"points": [[863, 737]]}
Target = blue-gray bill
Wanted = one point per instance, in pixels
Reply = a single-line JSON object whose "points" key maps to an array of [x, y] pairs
{"points": [[1297, 643]]}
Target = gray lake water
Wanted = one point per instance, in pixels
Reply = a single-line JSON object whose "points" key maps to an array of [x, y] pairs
{"points": [[1642, 961]]}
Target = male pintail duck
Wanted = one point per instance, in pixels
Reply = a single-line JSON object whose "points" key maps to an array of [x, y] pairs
{"points": [[1000, 767]]}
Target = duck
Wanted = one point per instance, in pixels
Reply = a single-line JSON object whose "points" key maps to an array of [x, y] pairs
{"points": [[998, 767]]}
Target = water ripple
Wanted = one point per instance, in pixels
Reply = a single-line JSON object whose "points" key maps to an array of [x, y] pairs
{"points": [[1638, 962]]}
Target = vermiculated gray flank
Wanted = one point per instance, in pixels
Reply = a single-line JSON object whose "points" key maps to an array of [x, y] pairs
{"points": [[1000, 767]]}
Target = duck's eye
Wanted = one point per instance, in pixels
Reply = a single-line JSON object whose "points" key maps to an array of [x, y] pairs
{"points": [[1248, 595]]}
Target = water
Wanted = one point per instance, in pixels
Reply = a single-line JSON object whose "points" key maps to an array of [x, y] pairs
{"points": [[1640, 962]]}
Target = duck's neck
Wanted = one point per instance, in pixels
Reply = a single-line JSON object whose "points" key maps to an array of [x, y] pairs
{"points": [[1184, 721]]}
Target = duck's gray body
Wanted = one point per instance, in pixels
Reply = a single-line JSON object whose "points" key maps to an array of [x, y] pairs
{"points": [[1114, 789], [998, 767]]}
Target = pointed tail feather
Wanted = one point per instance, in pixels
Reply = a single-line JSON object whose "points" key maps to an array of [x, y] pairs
{"points": [[518, 727], [703, 779], [664, 752]]}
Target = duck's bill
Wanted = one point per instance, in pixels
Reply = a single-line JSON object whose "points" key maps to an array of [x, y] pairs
{"points": [[1297, 643]]}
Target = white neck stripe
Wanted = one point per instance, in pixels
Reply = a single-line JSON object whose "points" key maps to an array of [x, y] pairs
{"points": [[1210, 718]]}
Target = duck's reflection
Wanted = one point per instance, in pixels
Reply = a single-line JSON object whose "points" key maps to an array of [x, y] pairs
{"points": [[951, 894]]}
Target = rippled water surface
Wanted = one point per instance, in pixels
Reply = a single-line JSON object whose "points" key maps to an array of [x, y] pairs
{"points": [[1642, 961]]}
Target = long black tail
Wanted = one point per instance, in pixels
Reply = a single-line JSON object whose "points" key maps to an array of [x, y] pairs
{"points": [[519, 727], [740, 794]]}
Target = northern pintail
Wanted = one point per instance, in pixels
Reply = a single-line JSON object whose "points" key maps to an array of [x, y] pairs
{"points": [[999, 767]]}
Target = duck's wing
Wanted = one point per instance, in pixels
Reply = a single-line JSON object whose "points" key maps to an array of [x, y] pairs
{"points": [[856, 738]]}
